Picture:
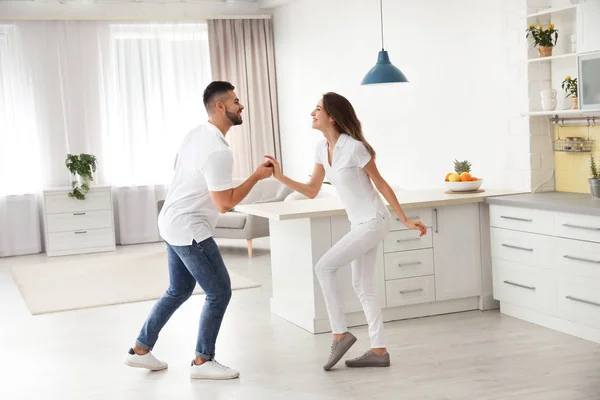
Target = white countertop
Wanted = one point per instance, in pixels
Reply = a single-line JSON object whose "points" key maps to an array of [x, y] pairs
{"points": [[330, 206]]}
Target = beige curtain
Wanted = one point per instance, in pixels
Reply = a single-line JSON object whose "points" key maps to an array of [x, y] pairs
{"points": [[242, 52]]}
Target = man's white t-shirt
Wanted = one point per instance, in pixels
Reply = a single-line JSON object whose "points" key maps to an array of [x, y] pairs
{"points": [[204, 164], [351, 181]]}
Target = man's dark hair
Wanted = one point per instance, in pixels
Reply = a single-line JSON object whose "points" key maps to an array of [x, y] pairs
{"points": [[215, 89]]}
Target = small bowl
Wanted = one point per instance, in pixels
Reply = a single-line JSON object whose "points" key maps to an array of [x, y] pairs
{"points": [[469, 186]]}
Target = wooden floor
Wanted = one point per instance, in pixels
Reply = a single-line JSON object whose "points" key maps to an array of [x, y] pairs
{"points": [[474, 355]]}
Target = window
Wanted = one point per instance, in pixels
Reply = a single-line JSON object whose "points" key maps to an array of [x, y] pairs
{"points": [[19, 156], [156, 78]]}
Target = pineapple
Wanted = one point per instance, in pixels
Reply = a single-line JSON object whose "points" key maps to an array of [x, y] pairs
{"points": [[462, 166]]}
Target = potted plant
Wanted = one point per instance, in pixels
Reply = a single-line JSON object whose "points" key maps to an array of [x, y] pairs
{"points": [[544, 39], [81, 167], [594, 181], [570, 87]]}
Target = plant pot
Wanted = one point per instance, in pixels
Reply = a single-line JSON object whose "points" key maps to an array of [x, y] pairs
{"points": [[594, 188], [545, 51], [575, 101]]}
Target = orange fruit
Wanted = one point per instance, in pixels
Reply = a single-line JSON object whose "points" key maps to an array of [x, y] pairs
{"points": [[474, 178], [447, 175], [465, 177]]}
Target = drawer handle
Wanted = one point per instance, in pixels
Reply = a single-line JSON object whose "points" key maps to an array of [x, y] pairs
{"points": [[516, 247], [583, 301], [79, 213], [519, 285], [568, 257], [587, 228], [407, 240], [410, 263], [416, 218], [516, 219], [410, 291], [80, 232]]}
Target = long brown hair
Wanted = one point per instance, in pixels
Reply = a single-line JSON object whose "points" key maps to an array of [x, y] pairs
{"points": [[346, 121]]}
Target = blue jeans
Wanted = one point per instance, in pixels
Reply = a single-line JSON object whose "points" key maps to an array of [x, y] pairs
{"points": [[202, 263]]}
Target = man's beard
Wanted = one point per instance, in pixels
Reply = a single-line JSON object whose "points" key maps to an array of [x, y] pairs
{"points": [[234, 118]]}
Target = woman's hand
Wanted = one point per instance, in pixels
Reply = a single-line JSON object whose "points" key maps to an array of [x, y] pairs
{"points": [[276, 167], [416, 225]]}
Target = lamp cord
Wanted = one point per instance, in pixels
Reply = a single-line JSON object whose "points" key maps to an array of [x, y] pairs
{"points": [[381, 12]]}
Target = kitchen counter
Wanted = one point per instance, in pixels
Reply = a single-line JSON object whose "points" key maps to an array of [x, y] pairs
{"points": [[416, 276], [332, 206], [552, 201]]}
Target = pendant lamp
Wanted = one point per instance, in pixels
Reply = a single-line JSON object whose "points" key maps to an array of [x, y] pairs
{"points": [[384, 71]]}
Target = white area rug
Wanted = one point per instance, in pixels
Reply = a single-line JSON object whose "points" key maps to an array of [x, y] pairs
{"points": [[74, 282]]}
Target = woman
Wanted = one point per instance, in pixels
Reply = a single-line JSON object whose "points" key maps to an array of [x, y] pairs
{"points": [[349, 163]]}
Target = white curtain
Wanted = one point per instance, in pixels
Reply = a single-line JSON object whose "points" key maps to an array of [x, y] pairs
{"points": [[126, 92], [19, 150], [156, 75], [242, 52]]}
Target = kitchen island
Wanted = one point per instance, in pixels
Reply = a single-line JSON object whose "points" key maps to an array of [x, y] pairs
{"points": [[447, 270]]}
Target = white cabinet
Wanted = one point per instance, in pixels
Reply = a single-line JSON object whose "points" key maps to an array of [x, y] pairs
{"points": [[457, 252], [78, 226], [588, 29], [546, 270]]}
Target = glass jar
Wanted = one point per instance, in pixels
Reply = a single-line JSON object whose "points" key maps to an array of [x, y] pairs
{"points": [[573, 143]]}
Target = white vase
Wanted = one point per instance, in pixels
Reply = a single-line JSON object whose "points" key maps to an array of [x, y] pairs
{"points": [[548, 99]]}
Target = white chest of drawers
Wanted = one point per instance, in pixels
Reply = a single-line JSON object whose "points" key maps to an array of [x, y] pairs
{"points": [[546, 268], [78, 226]]}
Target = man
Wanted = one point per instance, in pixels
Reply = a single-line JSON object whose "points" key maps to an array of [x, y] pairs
{"points": [[201, 188]]}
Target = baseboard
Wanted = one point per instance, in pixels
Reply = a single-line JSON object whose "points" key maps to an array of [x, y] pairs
{"points": [[321, 325], [551, 322], [487, 302]]}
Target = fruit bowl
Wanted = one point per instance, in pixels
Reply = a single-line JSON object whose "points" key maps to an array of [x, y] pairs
{"points": [[469, 186]]}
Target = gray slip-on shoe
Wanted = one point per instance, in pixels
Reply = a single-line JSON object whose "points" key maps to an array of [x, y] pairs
{"points": [[369, 360], [338, 349]]}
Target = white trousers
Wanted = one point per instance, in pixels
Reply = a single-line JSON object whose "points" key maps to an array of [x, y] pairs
{"points": [[358, 247]]}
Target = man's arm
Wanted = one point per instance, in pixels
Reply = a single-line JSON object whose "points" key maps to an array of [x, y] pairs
{"points": [[217, 172], [227, 199]]}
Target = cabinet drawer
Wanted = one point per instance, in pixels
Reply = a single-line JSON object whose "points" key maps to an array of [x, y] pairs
{"points": [[580, 303], [79, 221], [408, 264], [522, 247], [406, 240], [401, 292], [81, 239], [425, 215], [61, 203], [524, 286], [522, 219], [577, 258], [576, 226]]}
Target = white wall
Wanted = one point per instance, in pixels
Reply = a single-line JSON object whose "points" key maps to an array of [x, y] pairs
{"points": [[454, 54]]}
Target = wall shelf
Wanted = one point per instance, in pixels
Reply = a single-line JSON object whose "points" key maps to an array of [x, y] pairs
{"points": [[549, 59], [551, 11], [564, 113]]}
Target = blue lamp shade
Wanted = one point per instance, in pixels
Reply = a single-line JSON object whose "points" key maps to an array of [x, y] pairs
{"points": [[383, 72]]}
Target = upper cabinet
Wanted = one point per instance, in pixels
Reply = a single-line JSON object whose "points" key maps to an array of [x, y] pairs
{"points": [[588, 30]]}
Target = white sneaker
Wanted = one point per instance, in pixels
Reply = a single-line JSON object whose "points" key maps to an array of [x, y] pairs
{"points": [[147, 361], [212, 370]]}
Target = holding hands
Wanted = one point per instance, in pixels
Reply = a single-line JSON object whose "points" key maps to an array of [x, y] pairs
{"points": [[274, 164]]}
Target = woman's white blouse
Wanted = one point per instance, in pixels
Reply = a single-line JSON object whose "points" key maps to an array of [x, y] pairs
{"points": [[351, 181]]}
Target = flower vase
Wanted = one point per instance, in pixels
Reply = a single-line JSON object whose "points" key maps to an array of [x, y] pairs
{"points": [[545, 51]]}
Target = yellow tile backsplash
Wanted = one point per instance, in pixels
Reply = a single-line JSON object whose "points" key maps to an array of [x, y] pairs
{"points": [[573, 169]]}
